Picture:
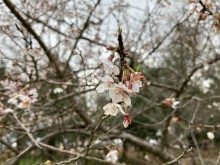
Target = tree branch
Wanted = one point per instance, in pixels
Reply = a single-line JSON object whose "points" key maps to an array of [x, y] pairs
{"points": [[164, 157], [11, 7]]}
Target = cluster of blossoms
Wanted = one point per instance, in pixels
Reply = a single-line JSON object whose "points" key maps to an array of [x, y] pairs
{"points": [[21, 99], [20, 70], [120, 83], [30, 65], [112, 155], [205, 9], [202, 8], [4, 110], [114, 150], [171, 102], [210, 134]]}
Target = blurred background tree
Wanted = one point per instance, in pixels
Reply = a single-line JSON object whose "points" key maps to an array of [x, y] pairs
{"points": [[51, 54]]}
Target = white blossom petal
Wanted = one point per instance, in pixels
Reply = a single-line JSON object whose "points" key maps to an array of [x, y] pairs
{"points": [[107, 78], [13, 101], [115, 70], [7, 110], [127, 100], [175, 104], [24, 98], [210, 135], [24, 104], [116, 95], [102, 87], [58, 90], [136, 85], [110, 68], [33, 92], [124, 88], [112, 156], [110, 109], [24, 77], [120, 109]]}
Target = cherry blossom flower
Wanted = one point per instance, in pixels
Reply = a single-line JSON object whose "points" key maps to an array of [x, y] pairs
{"points": [[106, 85], [10, 85], [127, 120], [210, 135], [33, 94], [130, 82], [175, 119], [5, 111], [168, 101], [171, 102], [112, 109], [136, 85], [135, 82], [13, 101], [110, 67], [24, 98], [112, 156], [58, 90], [25, 102], [24, 77], [118, 141], [119, 92], [175, 104]]}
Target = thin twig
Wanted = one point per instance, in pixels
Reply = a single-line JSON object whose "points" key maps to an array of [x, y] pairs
{"points": [[50, 56], [27, 131], [92, 133], [68, 161], [76, 154], [193, 136], [180, 156], [218, 159]]}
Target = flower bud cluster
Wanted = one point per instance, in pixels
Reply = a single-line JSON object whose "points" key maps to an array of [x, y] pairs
{"points": [[119, 89], [16, 97]]}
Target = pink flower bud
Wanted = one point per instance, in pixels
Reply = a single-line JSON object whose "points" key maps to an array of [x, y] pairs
{"points": [[143, 78], [128, 84], [135, 76], [168, 101], [127, 120], [110, 58]]}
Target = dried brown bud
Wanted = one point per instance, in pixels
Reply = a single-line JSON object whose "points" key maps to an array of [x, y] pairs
{"points": [[175, 119], [217, 16], [168, 101], [191, 1], [217, 25], [110, 48], [208, 4], [202, 16]]}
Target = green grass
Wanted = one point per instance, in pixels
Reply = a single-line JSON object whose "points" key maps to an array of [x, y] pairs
{"points": [[31, 160]]}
